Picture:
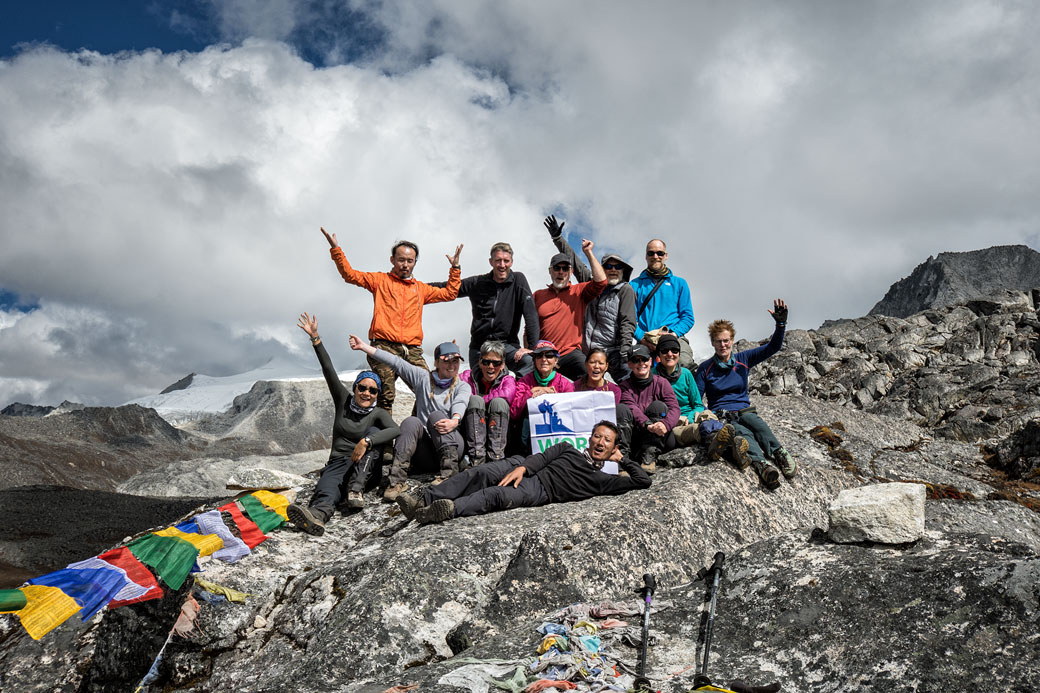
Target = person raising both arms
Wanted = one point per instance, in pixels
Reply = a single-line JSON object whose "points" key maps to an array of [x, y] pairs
{"points": [[359, 432], [397, 305]]}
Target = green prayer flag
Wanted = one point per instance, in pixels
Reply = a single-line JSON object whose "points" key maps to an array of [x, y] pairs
{"points": [[264, 518], [171, 558], [12, 600]]}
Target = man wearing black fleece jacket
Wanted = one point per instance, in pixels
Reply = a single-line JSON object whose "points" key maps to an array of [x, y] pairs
{"points": [[560, 474]]}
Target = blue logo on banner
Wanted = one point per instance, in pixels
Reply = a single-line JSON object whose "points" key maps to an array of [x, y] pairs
{"points": [[550, 421]]}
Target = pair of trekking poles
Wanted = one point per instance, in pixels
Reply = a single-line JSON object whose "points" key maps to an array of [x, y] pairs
{"points": [[713, 573]]}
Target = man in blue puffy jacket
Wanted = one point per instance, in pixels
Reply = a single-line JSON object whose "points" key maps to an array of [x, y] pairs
{"points": [[662, 302]]}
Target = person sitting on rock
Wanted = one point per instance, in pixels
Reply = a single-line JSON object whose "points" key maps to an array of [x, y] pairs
{"points": [[724, 381], [485, 425], [560, 474], [654, 410], [685, 387], [543, 380], [440, 402], [596, 365], [360, 429]]}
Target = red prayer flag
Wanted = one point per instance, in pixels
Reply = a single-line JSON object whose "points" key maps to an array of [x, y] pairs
{"points": [[135, 570], [251, 534]]}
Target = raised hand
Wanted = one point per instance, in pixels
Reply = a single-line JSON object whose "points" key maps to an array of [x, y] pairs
{"points": [[309, 324], [554, 227], [587, 246], [355, 343], [330, 237], [779, 311], [454, 259]]}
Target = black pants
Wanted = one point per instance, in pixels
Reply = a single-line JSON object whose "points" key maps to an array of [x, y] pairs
{"points": [[475, 491], [341, 474], [572, 365], [638, 437]]}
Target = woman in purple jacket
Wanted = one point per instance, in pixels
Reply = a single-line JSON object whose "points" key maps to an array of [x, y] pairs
{"points": [[486, 422], [596, 367], [654, 410]]}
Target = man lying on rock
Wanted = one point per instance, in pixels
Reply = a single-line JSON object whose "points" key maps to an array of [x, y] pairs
{"points": [[560, 474], [741, 434]]}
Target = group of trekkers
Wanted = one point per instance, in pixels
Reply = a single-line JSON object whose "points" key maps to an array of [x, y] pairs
{"points": [[609, 332]]}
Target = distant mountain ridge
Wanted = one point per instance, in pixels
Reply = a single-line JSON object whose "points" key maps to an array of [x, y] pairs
{"points": [[950, 278]]}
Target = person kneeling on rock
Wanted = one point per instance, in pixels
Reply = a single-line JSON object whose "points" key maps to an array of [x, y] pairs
{"points": [[723, 379], [441, 399], [359, 432], [560, 474]]}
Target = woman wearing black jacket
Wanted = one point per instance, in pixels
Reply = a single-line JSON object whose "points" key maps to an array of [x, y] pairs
{"points": [[359, 432]]}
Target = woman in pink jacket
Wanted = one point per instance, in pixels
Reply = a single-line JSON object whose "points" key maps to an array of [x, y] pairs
{"points": [[486, 423]]}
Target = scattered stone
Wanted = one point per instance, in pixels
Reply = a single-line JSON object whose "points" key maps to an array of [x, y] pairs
{"points": [[255, 478], [883, 513]]}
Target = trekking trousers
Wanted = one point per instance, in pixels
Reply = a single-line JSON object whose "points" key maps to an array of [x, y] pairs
{"points": [[411, 354], [476, 491], [484, 428], [761, 441], [419, 445]]}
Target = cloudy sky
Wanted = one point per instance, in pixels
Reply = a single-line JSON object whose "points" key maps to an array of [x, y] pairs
{"points": [[164, 170]]}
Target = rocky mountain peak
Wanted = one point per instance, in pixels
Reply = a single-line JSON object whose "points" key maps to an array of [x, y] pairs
{"points": [[950, 278]]}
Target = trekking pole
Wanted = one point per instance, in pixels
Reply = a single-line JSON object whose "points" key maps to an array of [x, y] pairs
{"points": [[642, 683], [715, 572]]}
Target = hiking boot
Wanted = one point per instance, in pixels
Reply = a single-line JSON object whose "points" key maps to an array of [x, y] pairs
{"points": [[306, 519], [768, 473], [449, 461], [788, 467], [437, 511], [409, 505], [648, 459], [355, 501], [393, 491], [721, 441], [738, 450]]}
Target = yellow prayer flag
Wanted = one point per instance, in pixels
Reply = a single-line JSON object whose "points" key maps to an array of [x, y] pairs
{"points": [[205, 543], [274, 501], [229, 594], [45, 609]]}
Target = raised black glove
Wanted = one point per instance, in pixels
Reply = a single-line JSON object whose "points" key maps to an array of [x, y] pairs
{"points": [[779, 312], [555, 228]]}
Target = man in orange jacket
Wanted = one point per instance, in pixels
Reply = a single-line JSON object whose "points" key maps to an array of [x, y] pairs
{"points": [[398, 299]]}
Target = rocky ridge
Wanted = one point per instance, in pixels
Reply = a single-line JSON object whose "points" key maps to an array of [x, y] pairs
{"points": [[951, 278], [965, 372]]}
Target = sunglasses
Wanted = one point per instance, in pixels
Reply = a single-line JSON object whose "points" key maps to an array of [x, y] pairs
{"points": [[668, 350], [366, 388], [613, 266], [490, 362], [561, 268], [638, 359], [656, 253], [546, 355]]}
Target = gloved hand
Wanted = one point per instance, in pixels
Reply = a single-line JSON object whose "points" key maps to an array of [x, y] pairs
{"points": [[555, 228], [779, 312]]}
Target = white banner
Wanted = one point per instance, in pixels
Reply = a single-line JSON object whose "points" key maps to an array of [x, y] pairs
{"points": [[568, 416]]}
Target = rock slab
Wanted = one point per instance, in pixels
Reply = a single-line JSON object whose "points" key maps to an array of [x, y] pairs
{"points": [[883, 513]]}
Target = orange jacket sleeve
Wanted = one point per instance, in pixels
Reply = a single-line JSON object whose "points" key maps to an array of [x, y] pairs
{"points": [[366, 280], [434, 294]]}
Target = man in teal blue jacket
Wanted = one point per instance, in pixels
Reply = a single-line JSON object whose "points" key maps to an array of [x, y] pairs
{"points": [[662, 301]]}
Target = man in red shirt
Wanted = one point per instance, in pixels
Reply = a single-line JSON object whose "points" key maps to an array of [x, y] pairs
{"points": [[561, 307]]}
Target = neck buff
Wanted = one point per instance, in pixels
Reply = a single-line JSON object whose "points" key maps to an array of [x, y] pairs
{"points": [[673, 377], [543, 382], [641, 382], [439, 381], [596, 464], [358, 409], [663, 272], [724, 364]]}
